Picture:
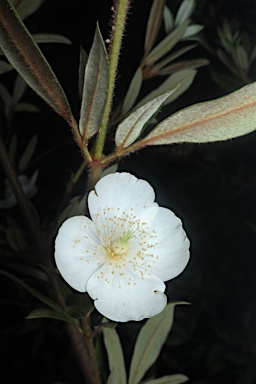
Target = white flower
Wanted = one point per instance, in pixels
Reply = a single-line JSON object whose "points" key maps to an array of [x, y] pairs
{"points": [[28, 186], [124, 254]]}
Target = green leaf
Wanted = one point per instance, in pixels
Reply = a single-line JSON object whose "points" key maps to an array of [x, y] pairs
{"points": [[131, 127], [167, 44], [19, 88], [174, 56], [171, 379], [28, 153], [184, 12], [179, 81], [26, 107], [5, 67], [50, 38], [149, 343], [46, 300], [79, 305], [82, 64], [5, 96], [95, 87], [168, 20], [133, 91], [221, 119], [50, 314], [242, 58], [26, 8], [153, 24], [26, 57], [192, 30], [115, 356]]}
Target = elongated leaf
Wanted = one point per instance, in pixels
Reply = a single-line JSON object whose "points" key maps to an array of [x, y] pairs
{"points": [[154, 23], [5, 96], [34, 292], [19, 89], [26, 57], [95, 87], [83, 58], [5, 67], [129, 129], [192, 30], [221, 119], [50, 314], [167, 44], [174, 56], [168, 20], [149, 343], [133, 91], [50, 38], [26, 107], [184, 12], [26, 8], [115, 356], [28, 153], [172, 379], [181, 79]]}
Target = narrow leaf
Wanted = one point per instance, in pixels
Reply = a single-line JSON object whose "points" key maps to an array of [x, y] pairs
{"points": [[149, 343], [95, 87], [179, 81], [129, 129], [34, 292], [184, 12], [115, 356], [26, 107], [50, 314], [172, 379], [26, 8], [26, 57], [5, 67], [28, 153], [168, 20], [5, 96], [83, 58], [19, 88], [192, 30], [133, 91], [154, 23], [50, 38], [167, 44], [174, 56], [221, 119]]}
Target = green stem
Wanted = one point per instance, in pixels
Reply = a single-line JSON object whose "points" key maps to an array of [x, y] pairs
{"points": [[121, 9], [88, 340], [84, 150]]}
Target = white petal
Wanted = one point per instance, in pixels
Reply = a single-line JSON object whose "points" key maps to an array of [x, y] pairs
{"points": [[77, 251], [121, 192], [123, 295], [170, 246]]}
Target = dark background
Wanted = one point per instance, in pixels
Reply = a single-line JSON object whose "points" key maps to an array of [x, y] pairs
{"points": [[211, 187]]}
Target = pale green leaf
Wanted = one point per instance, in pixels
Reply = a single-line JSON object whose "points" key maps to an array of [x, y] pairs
{"points": [[115, 356], [167, 44], [28, 153], [149, 343], [26, 8], [109, 170], [131, 127], [133, 91], [19, 88], [50, 38], [83, 58], [26, 107], [221, 119], [46, 300], [25, 56], [174, 56], [171, 379], [153, 24], [192, 30], [95, 87], [5, 67], [183, 65], [179, 81], [184, 12], [49, 314], [242, 58], [168, 20]]}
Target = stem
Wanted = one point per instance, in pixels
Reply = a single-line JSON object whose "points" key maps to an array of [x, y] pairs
{"points": [[115, 46], [85, 152], [88, 340]]}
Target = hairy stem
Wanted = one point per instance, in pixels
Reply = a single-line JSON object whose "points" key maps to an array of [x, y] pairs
{"points": [[120, 12]]}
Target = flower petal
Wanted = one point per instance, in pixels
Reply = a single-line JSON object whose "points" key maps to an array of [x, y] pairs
{"points": [[120, 192], [170, 246], [122, 295], [78, 253]]}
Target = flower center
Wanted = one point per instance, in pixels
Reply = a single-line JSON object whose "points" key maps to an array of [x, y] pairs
{"points": [[120, 247]]}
